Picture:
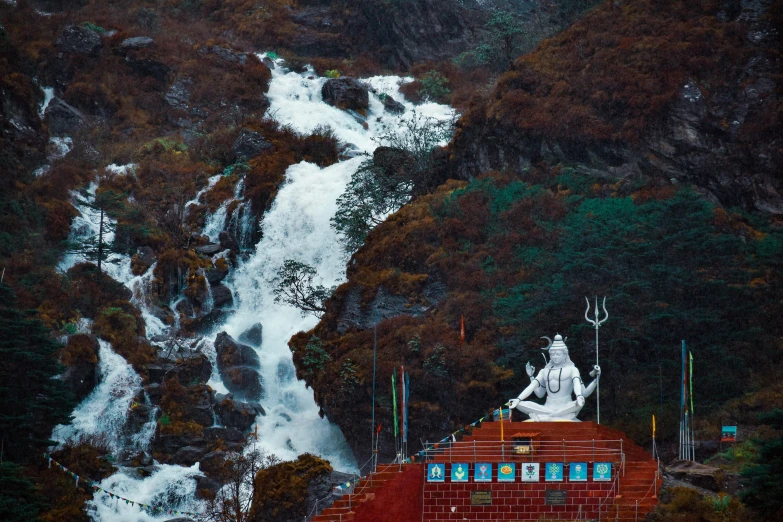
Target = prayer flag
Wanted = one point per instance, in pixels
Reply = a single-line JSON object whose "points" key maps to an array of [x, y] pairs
{"points": [[462, 329]]}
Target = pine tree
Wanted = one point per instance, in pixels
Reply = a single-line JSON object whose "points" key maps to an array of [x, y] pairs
{"points": [[32, 401]]}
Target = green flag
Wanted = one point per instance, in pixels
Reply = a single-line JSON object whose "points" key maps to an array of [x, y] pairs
{"points": [[394, 402], [690, 354]]}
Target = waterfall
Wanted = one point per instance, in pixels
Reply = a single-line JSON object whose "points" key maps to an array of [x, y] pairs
{"points": [[104, 413], [296, 227]]}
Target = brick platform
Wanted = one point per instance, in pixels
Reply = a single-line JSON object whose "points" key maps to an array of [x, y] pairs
{"points": [[403, 494]]}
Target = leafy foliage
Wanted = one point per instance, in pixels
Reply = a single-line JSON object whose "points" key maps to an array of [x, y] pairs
{"points": [[766, 475], [29, 407], [294, 286], [19, 501], [434, 86], [385, 182]]}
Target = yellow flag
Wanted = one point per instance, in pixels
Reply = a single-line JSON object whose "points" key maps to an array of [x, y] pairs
{"points": [[653, 425], [501, 424]]}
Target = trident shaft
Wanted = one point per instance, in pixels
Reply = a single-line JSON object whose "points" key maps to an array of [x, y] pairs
{"points": [[597, 324]]}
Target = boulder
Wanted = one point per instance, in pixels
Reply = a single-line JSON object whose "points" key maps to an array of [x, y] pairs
{"points": [[249, 144], [227, 241], [391, 105], [206, 323], [209, 249], [190, 369], [184, 307], [238, 365], [143, 259], [78, 39], [178, 95], [253, 335], [212, 462], [224, 433], [189, 455], [62, 118], [148, 67], [136, 42], [236, 414], [221, 296], [700, 475], [346, 93], [216, 275]]}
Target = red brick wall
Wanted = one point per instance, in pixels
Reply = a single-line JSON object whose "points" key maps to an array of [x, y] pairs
{"points": [[511, 501]]}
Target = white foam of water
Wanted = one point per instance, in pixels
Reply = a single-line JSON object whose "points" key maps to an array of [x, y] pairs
{"points": [[59, 147], [216, 223], [48, 96], [121, 170], [211, 182], [170, 487], [105, 411]]}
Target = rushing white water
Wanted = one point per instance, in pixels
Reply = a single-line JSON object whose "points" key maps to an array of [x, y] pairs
{"points": [[296, 227], [104, 413], [170, 486], [48, 95]]}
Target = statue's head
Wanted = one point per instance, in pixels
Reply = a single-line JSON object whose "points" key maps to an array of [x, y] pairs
{"points": [[558, 352]]}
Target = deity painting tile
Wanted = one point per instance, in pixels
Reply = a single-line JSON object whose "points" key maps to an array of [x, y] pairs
{"points": [[577, 472], [507, 472], [530, 471], [436, 472], [460, 472], [482, 472], [602, 471], [553, 471]]}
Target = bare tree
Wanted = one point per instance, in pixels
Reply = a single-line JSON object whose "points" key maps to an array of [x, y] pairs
{"points": [[233, 500]]}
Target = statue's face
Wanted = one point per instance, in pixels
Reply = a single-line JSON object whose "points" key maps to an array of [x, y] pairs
{"points": [[557, 356]]}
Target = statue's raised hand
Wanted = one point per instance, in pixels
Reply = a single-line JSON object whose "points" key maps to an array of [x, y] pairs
{"points": [[531, 370], [596, 372]]}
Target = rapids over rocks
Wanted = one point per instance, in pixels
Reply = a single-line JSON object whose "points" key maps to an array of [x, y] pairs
{"points": [[296, 227]]}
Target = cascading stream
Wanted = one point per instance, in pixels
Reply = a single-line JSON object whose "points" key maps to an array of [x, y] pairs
{"points": [[296, 227]]}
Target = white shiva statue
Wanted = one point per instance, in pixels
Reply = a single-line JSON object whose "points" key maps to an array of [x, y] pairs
{"points": [[559, 380]]}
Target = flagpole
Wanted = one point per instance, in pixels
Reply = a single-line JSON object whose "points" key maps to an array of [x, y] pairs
{"points": [[683, 417], [374, 455]]}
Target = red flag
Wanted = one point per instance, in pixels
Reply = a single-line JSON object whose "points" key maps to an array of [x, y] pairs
{"points": [[462, 328], [378, 429]]}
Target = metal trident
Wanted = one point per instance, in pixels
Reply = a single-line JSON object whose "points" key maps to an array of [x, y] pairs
{"points": [[597, 324]]}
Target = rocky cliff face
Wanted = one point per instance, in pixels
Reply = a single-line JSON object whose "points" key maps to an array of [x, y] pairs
{"points": [[705, 110]]}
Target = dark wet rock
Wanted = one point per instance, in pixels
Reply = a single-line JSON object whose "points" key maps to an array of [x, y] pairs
{"points": [[178, 95], [185, 307], [62, 118], [140, 414], [206, 485], [209, 249], [136, 42], [143, 259], [189, 368], [154, 392], [269, 63], [249, 144], [80, 357], [229, 55], [253, 335], [236, 414], [224, 433], [216, 275], [148, 67], [78, 39], [189, 455], [391, 105], [206, 323], [700, 475], [222, 297], [212, 462], [346, 93], [238, 365], [228, 242]]}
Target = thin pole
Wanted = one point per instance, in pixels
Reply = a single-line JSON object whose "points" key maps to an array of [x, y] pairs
{"points": [[374, 359], [598, 384], [683, 418], [2, 276]]}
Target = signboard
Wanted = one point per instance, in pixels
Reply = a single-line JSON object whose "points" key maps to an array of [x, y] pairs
{"points": [[482, 472], [507, 472], [436, 472], [556, 497], [553, 471], [602, 471], [460, 472], [480, 498], [577, 472], [728, 434], [530, 471]]}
